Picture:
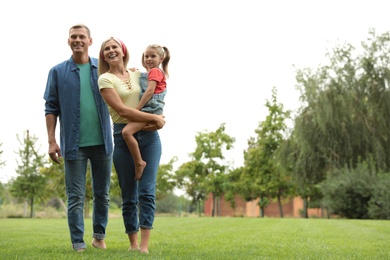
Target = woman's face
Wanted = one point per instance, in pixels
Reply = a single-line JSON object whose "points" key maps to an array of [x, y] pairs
{"points": [[112, 52]]}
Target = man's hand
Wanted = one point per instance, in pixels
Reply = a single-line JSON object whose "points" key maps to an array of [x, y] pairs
{"points": [[55, 152]]}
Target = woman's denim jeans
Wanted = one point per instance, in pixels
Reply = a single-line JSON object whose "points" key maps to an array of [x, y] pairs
{"points": [[75, 178], [142, 192]]}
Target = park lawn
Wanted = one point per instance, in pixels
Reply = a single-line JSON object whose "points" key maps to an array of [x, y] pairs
{"points": [[206, 238]]}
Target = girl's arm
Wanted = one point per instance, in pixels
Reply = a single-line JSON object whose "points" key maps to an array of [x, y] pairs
{"points": [[113, 100], [148, 94]]}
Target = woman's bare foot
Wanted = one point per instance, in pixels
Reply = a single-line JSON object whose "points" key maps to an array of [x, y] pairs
{"points": [[98, 243], [144, 251], [139, 170], [132, 249], [143, 248]]}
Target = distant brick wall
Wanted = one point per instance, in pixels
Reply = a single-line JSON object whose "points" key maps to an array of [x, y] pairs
{"points": [[223, 208], [291, 208]]}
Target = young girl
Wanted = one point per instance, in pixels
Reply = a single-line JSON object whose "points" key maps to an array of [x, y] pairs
{"points": [[153, 84]]}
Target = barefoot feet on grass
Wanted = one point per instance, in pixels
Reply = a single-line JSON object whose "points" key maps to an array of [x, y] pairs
{"points": [[133, 249], [98, 243], [144, 251], [139, 170]]}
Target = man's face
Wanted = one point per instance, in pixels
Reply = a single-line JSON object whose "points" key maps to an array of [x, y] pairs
{"points": [[79, 40]]}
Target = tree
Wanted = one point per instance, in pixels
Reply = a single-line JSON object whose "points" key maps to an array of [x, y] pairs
{"points": [[348, 191], [379, 204], [55, 175], [165, 179], [263, 174], [168, 204], [190, 177], [233, 186], [30, 184], [209, 150], [344, 115], [206, 172]]}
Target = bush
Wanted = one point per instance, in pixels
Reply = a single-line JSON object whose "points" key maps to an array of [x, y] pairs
{"points": [[347, 192], [379, 205]]}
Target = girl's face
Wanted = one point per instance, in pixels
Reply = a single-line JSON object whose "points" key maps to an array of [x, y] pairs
{"points": [[151, 58], [112, 52]]}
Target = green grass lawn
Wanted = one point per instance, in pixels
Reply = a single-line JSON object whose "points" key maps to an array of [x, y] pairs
{"points": [[206, 238]]}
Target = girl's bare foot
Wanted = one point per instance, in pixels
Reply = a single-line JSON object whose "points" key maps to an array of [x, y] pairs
{"points": [[139, 170]]}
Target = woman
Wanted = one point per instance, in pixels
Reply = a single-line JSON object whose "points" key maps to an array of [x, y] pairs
{"points": [[121, 90]]}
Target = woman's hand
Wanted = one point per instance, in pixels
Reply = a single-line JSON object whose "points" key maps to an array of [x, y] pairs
{"points": [[160, 121], [156, 125]]}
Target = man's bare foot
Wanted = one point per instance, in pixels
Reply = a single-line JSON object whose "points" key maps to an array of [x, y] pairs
{"points": [[139, 170], [98, 243]]}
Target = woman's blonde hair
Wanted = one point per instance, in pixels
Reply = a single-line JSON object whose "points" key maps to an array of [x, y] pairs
{"points": [[103, 65]]}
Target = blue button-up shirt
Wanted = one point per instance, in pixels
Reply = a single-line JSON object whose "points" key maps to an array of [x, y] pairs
{"points": [[62, 96]]}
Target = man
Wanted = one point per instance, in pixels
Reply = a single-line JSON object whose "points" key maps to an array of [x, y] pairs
{"points": [[72, 95]]}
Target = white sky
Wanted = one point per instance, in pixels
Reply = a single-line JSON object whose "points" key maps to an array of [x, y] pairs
{"points": [[225, 58]]}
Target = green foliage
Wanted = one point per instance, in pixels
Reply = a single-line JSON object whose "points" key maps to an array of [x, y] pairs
{"points": [[233, 186], [167, 204], [115, 190], [209, 150], [30, 184], [379, 204], [344, 115], [2, 193], [165, 179], [347, 192], [55, 175], [263, 175], [190, 177], [207, 172]]}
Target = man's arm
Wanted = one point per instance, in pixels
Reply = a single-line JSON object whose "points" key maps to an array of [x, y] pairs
{"points": [[54, 149]]}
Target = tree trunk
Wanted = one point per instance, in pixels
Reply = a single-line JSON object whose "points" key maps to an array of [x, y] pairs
{"points": [[218, 206], [280, 205], [305, 215], [32, 208], [213, 206], [261, 208]]}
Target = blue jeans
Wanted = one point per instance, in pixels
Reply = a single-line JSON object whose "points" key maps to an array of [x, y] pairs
{"points": [[75, 180], [137, 194]]}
